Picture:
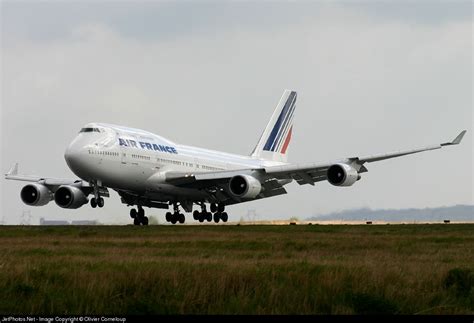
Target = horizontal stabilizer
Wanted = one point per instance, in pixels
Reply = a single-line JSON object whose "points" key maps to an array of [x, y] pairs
{"points": [[13, 171]]}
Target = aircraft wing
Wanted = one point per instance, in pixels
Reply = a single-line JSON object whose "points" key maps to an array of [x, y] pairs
{"points": [[273, 178], [315, 172], [51, 183], [13, 175]]}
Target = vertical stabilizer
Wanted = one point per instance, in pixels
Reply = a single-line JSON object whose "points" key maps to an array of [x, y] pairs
{"points": [[274, 142]]}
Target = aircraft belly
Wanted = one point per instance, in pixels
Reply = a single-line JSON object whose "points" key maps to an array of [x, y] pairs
{"points": [[167, 190]]}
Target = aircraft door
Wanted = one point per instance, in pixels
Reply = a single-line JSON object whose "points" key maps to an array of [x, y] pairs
{"points": [[196, 164], [123, 156]]}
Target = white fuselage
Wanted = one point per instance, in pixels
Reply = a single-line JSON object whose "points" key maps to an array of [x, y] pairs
{"points": [[130, 159]]}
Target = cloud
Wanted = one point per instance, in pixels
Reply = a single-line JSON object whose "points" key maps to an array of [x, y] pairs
{"points": [[365, 85]]}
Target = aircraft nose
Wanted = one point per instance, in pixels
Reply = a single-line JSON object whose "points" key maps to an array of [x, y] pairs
{"points": [[74, 156], [71, 153]]}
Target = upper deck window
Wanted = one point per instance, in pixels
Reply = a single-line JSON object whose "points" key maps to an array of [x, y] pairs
{"points": [[89, 130]]}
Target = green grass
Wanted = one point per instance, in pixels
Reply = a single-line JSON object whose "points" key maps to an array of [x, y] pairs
{"points": [[340, 269]]}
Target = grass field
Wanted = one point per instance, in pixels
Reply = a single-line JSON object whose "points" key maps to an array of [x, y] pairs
{"points": [[399, 269]]}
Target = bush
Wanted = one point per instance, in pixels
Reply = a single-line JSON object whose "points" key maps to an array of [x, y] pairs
{"points": [[460, 280], [364, 303]]}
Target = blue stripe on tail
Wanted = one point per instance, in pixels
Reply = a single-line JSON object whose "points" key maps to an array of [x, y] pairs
{"points": [[270, 144], [284, 127]]}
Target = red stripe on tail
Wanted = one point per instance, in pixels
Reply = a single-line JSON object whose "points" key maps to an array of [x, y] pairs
{"points": [[287, 141]]}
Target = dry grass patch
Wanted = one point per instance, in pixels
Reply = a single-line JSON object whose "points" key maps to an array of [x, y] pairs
{"points": [[397, 269]]}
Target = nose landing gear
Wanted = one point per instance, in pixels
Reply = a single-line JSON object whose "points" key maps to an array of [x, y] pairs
{"points": [[96, 201]]}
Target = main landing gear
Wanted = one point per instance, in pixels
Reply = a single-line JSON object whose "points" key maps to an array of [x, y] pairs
{"points": [[99, 202], [203, 215], [176, 216], [139, 216], [217, 209], [217, 214]]}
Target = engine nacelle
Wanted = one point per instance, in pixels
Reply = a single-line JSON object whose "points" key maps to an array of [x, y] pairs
{"points": [[70, 197], [36, 195], [245, 186], [342, 175]]}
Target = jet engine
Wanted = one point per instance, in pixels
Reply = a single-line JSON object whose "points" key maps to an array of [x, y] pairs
{"points": [[36, 195], [245, 186], [70, 197], [342, 175]]}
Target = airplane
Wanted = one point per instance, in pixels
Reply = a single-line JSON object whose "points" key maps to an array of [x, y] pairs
{"points": [[148, 170]]}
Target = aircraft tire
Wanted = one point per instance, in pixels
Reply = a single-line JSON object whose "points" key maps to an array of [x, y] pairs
{"points": [[181, 218], [93, 203], [168, 216], [100, 202], [224, 217], [133, 213], [174, 218], [209, 216], [217, 217], [196, 215], [136, 221], [145, 220]]}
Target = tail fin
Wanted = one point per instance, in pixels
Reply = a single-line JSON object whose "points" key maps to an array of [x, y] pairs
{"points": [[274, 142]]}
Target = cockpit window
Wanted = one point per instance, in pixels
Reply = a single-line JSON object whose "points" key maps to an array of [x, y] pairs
{"points": [[89, 130]]}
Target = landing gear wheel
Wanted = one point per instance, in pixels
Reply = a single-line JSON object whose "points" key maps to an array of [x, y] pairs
{"points": [[196, 215], [168, 216], [93, 203], [174, 219], [209, 216], [136, 221], [176, 216], [145, 220], [220, 208], [217, 217], [133, 213], [100, 202], [213, 207], [224, 217], [201, 217]]}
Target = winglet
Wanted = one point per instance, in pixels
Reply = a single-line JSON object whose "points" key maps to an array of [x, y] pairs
{"points": [[13, 171], [456, 140]]}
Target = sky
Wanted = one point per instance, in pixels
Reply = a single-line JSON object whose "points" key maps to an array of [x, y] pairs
{"points": [[371, 77]]}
